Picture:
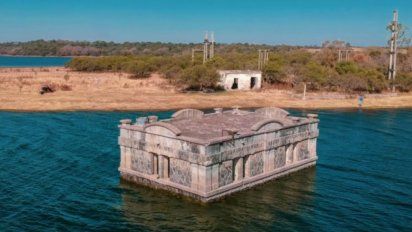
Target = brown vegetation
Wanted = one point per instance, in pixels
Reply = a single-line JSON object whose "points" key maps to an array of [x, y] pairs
{"points": [[19, 90]]}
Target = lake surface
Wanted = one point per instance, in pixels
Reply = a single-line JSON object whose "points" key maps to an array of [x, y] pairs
{"points": [[32, 61], [59, 172]]}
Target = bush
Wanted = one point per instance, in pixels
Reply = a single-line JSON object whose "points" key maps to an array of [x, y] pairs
{"points": [[404, 82], [199, 77], [65, 87], [274, 73], [346, 68], [138, 69]]}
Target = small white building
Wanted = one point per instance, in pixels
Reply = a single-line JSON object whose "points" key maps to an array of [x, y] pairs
{"points": [[240, 79]]}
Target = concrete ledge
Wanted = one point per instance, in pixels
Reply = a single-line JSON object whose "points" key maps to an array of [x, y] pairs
{"points": [[154, 182], [176, 131], [260, 124]]}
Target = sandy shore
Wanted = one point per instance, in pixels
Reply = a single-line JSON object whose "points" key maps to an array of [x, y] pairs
{"points": [[19, 91]]}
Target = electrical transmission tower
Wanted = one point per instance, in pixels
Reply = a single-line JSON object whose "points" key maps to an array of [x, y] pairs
{"points": [[343, 55], [263, 58], [208, 48], [393, 42]]}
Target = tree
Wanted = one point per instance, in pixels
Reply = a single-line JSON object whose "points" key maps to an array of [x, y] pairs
{"points": [[199, 77], [274, 72]]}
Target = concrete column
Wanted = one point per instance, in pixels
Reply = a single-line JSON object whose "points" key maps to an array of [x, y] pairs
{"points": [[289, 154], [296, 150], [128, 158], [238, 167], [269, 160], [205, 178], [215, 176], [195, 176], [312, 147], [165, 167], [246, 161], [155, 164], [160, 166], [122, 157]]}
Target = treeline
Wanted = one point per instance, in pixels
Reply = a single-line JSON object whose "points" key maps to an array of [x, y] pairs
{"points": [[366, 71], [102, 48]]}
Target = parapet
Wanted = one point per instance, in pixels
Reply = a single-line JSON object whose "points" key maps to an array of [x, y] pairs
{"points": [[195, 126]]}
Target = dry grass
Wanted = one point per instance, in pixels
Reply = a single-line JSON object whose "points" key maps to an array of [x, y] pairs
{"points": [[19, 90]]}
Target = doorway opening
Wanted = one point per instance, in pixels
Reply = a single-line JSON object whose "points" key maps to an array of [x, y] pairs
{"points": [[235, 84], [252, 82]]}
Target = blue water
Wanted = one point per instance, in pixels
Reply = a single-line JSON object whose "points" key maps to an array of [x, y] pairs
{"points": [[29, 61], [58, 171]]}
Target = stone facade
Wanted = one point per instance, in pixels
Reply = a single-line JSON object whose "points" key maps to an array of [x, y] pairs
{"points": [[208, 156]]}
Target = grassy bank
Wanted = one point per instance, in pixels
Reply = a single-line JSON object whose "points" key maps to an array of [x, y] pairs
{"points": [[19, 91]]}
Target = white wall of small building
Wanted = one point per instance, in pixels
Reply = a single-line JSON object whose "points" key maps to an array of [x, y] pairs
{"points": [[244, 80]]}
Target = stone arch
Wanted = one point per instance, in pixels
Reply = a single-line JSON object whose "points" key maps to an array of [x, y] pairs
{"points": [[301, 151], [267, 124], [273, 112], [163, 128], [187, 113]]}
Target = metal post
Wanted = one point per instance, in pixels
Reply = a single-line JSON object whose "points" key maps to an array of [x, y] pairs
{"points": [[394, 27], [212, 45], [205, 48]]}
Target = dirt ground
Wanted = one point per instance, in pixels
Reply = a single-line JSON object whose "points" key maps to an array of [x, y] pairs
{"points": [[19, 91]]}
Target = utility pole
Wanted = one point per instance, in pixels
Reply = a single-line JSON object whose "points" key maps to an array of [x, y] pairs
{"points": [[212, 45], [394, 28], [263, 58], [206, 48]]}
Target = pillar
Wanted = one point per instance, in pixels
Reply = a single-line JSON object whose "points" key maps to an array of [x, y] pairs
{"points": [[238, 169], [205, 178], [195, 176], [215, 176], [269, 160], [246, 161], [289, 154], [155, 165]]}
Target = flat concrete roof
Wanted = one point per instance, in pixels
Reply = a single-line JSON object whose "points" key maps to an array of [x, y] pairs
{"points": [[194, 126], [215, 125], [250, 72]]}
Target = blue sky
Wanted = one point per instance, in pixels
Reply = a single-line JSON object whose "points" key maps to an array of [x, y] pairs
{"points": [[294, 22]]}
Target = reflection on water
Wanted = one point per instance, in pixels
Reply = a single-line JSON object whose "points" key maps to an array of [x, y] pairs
{"points": [[274, 201]]}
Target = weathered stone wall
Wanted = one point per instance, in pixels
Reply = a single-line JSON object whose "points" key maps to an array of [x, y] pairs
{"points": [[225, 173], [280, 157], [301, 151], [142, 161], [180, 172], [167, 146], [256, 164]]}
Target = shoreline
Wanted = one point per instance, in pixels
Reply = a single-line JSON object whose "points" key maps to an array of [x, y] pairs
{"points": [[116, 92], [177, 109]]}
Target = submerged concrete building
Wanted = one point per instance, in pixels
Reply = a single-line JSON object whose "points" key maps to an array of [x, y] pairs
{"points": [[208, 156]]}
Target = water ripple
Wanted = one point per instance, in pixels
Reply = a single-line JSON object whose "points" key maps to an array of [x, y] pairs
{"points": [[59, 172]]}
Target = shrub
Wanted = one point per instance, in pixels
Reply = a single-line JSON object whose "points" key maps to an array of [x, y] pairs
{"points": [[199, 77], [346, 68], [274, 73], [65, 87], [404, 82]]}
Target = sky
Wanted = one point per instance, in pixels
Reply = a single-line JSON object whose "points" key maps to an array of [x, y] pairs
{"points": [[291, 22]]}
